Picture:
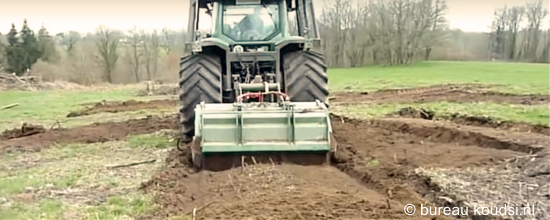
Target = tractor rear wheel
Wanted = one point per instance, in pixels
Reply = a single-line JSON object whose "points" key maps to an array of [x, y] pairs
{"points": [[305, 76], [199, 80]]}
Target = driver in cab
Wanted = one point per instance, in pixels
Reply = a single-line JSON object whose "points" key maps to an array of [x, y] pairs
{"points": [[252, 26]]}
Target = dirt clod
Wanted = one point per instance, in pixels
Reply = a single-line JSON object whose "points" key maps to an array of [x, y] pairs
{"points": [[416, 113], [25, 130]]}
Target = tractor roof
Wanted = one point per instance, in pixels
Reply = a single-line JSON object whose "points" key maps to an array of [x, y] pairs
{"points": [[204, 3]]}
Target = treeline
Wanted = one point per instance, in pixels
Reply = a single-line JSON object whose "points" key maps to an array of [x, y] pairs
{"points": [[106, 55], [517, 34], [394, 32], [382, 32], [377, 32]]}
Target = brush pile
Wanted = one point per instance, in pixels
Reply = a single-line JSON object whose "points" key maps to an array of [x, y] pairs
{"points": [[12, 81]]}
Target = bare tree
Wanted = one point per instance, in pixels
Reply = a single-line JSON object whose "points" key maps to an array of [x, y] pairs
{"points": [[439, 30], [509, 40], [134, 40], [151, 46], [83, 71], [498, 33], [68, 40], [535, 14], [515, 16], [382, 31], [107, 44], [355, 43], [167, 40]]}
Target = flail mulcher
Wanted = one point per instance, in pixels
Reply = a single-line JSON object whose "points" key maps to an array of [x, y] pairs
{"points": [[250, 90]]}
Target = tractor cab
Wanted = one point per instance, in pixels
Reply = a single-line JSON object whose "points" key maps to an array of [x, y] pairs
{"points": [[250, 22]]}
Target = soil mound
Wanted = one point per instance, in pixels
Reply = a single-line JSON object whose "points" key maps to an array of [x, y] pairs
{"points": [[97, 132], [25, 130], [439, 93], [130, 105], [480, 121], [483, 121], [266, 192]]}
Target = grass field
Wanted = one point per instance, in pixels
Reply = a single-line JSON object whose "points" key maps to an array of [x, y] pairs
{"points": [[516, 78], [511, 77], [52, 184]]}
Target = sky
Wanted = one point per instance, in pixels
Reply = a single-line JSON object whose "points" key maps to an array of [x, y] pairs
{"points": [[84, 16]]}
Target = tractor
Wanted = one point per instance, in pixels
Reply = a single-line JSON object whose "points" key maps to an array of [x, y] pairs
{"points": [[250, 90]]}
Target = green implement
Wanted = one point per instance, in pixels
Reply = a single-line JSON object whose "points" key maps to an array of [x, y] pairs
{"points": [[254, 127], [281, 130]]}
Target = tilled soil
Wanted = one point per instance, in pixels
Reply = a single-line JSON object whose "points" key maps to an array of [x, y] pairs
{"points": [[130, 105], [372, 176], [452, 93], [97, 132], [269, 192], [479, 121], [449, 93]]}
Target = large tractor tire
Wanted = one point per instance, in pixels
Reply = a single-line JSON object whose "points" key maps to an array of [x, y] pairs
{"points": [[305, 75], [200, 80]]}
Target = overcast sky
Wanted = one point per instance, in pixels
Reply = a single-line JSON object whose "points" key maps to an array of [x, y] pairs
{"points": [[84, 15]]}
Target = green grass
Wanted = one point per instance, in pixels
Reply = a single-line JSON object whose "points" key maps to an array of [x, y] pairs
{"points": [[86, 120], [515, 77], [44, 209], [150, 141], [43, 105], [47, 108], [538, 114], [120, 207], [75, 182]]}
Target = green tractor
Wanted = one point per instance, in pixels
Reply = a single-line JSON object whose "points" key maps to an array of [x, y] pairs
{"points": [[250, 91]]}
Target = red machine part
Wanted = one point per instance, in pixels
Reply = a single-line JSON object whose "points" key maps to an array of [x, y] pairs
{"points": [[260, 96]]}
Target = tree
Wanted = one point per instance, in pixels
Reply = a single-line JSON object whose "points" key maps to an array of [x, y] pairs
{"points": [[515, 16], [15, 55], [535, 14], [168, 39], [69, 40], [439, 31], [509, 40], [498, 33], [82, 70], [46, 46], [2, 53], [12, 36], [382, 32], [107, 44], [30, 46], [151, 47], [135, 42]]}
